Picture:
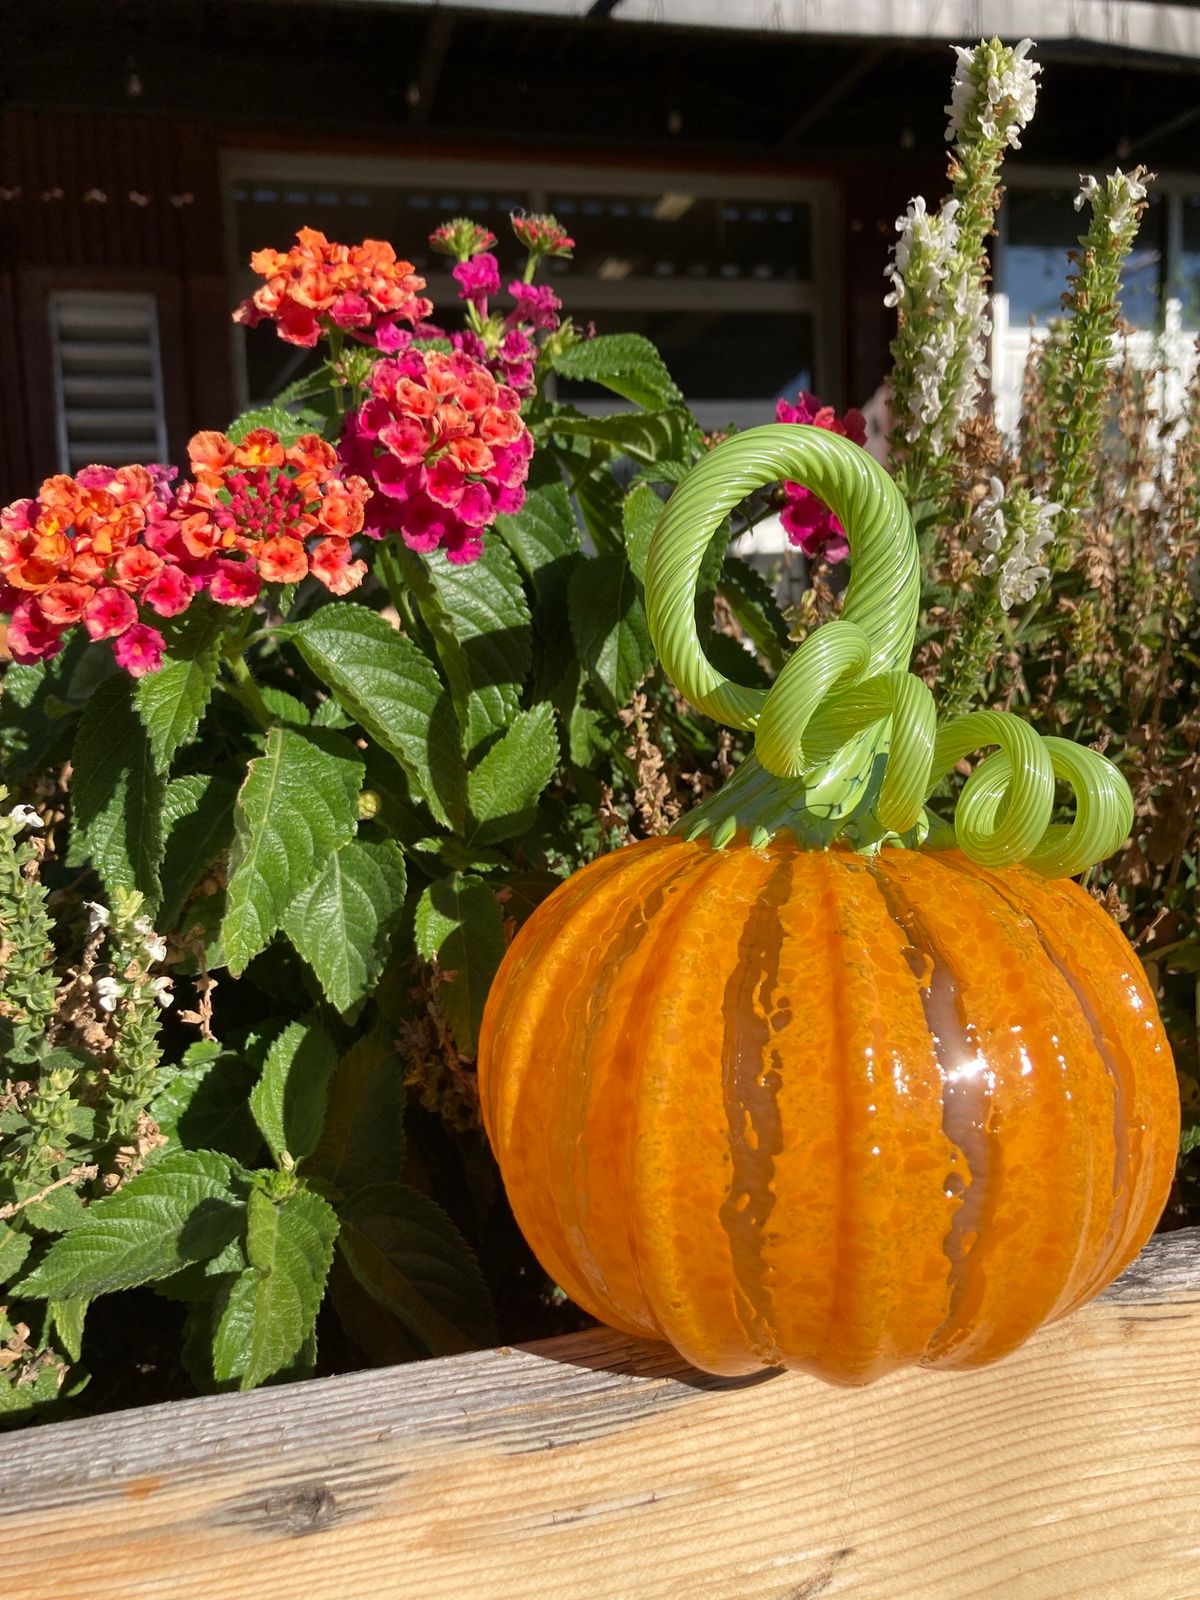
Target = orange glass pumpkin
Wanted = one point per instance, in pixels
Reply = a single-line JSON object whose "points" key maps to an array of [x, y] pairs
{"points": [[783, 1102]]}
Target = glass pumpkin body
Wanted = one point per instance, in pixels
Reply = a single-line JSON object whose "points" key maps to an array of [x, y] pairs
{"points": [[828, 1111]]}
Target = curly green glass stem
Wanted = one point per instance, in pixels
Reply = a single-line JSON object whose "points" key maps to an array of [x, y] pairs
{"points": [[847, 731]]}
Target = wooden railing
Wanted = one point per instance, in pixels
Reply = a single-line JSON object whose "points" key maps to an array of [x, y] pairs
{"points": [[598, 1468]]}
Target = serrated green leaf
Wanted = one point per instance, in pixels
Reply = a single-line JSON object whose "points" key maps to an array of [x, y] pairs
{"points": [[289, 425], [643, 436], [182, 1209], [503, 789], [609, 625], [408, 1255], [393, 690], [362, 1141], [205, 1105], [271, 1308], [298, 805], [545, 539], [288, 1101], [117, 793], [172, 700], [459, 924], [626, 363], [640, 514], [197, 822], [478, 618], [752, 600], [68, 1318], [330, 715], [284, 707], [14, 1247], [344, 922], [599, 496]]}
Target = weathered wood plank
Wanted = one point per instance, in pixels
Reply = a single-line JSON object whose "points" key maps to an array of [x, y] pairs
{"points": [[600, 1468]]}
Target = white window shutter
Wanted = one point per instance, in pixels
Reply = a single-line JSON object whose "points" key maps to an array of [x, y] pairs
{"points": [[108, 386]]}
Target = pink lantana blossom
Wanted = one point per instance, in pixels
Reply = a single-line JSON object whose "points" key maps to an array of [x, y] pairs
{"points": [[140, 650], [108, 613], [31, 636], [233, 583], [477, 279], [536, 304], [170, 592], [445, 448], [807, 520]]}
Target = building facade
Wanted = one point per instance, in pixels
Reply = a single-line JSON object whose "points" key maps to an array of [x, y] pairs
{"points": [[733, 190]]}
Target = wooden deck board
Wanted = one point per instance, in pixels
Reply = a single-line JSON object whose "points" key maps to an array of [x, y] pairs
{"points": [[604, 1469]]}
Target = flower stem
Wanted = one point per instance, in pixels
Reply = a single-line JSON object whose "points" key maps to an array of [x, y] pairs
{"points": [[244, 685]]}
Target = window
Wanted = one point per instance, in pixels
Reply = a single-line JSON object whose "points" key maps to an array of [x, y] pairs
{"points": [[108, 388], [729, 276]]}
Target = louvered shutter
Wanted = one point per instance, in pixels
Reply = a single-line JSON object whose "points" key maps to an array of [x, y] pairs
{"points": [[107, 379]]}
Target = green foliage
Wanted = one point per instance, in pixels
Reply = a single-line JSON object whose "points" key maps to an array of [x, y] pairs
{"points": [[285, 868], [117, 793], [172, 700], [288, 1102], [297, 805], [608, 623], [343, 922], [459, 926], [269, 1312]]}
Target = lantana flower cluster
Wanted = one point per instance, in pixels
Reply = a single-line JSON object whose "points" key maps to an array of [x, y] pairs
{"points": [[808, 521], [505, 341], [444, 447], [83, 554], [316, 286], [259, 512], [104, 549]]}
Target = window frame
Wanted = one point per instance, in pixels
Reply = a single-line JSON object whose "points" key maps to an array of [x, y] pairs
{"points": [[817, 296]]}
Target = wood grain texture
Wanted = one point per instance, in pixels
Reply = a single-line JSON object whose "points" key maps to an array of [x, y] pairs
{"points": [[601, 1468]]}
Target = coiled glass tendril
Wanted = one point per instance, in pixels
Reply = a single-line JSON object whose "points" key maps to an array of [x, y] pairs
{"points": [[846, 696]]}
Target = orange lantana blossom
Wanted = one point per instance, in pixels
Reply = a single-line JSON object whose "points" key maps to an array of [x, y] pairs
{"points": [[318, 285], [256, 506]]}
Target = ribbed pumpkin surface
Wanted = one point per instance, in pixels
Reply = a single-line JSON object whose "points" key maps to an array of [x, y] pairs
{"points": [[814, 1109]]}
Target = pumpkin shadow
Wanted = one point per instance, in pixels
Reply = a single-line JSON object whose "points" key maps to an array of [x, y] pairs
{"points": [[606, 1351]]}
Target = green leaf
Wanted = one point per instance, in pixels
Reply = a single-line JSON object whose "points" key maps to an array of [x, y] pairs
{"points": [[608, 621], [14, 1247], [68, 1318], [288, 1101], [362, 1141], [172, 700], [205, 1104], [181, 1209], [409, 1256], [289, 425], [643, 436], [600, 499], [504, 788], [544, 537], [752, 600], [197, 820], [626, 363], [640, 513], [284, 707], [116, 793], [270, 1312], [459, 924], [479, 619], [343, 924], [299, 803], [392, 689]]}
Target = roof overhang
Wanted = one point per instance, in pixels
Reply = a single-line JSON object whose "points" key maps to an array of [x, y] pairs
{"points": [[1134, 26]]}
